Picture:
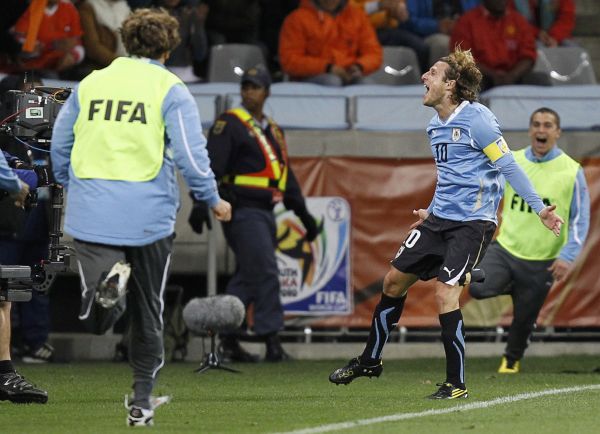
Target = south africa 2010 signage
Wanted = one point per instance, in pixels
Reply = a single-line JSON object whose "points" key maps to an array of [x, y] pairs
{"points": [[315, 276]]}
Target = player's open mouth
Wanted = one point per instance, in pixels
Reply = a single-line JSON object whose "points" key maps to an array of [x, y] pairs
{"points": [[541, 139]]}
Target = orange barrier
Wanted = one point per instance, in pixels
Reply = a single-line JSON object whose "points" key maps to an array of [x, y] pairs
{"points": [[382, 194]]}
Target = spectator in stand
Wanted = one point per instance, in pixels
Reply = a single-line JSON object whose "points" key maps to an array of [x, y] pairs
{"points": [[329, 42], [272, 14], [433, 21], [58, 46], [501, 42], [552, 21], [193, 49], [386, 17], [233, 21], [100, 21]]}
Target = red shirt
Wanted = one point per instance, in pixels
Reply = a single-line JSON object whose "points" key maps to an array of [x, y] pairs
{"points": [[564, 19], [63, 23], [498, 43]]}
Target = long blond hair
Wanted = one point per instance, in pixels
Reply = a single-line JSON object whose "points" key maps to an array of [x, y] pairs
{"points": [[463, 69]]}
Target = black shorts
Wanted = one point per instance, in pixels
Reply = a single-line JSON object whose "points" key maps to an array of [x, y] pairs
{"points": [[445, 249]]}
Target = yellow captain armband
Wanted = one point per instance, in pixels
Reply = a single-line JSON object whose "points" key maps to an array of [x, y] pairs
{"points": [[496, 149]]}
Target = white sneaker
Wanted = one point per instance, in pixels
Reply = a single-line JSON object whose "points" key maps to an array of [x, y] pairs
{"points": [[43, 354], [114, 286], [143, 417], [140, 417]]}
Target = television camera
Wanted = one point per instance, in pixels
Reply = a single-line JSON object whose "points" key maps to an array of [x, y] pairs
{"points": [[33, 113]]}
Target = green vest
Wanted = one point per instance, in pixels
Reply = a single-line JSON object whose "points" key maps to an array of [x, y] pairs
{"points": [[119, 133], [521, 232]]}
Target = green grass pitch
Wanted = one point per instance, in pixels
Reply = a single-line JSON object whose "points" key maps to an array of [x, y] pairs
{"points": [[296, 395]]}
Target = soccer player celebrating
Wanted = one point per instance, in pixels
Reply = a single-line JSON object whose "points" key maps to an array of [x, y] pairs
{"points": [[450, 236]]}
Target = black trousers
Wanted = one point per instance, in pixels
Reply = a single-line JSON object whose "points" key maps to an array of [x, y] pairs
{"points": [[251, 236], [144, 301], [527, 282]]}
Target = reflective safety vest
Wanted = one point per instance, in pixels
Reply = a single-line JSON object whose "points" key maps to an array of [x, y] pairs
{"points": [[120, 130], [521, 232], [274, 175]]}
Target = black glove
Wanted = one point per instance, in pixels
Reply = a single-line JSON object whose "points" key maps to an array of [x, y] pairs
{"points": [[15, 163], [44, 175], [309, 224], [199, 216]]}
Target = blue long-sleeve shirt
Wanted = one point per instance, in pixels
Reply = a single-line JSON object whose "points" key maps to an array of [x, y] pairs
{"points": [[9, 181], [579, 213], [28, 176], [422, 20], [135, 213]]}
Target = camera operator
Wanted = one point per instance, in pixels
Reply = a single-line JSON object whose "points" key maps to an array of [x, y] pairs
{"points": [[13, 387], [115, 145], [24, 233]]}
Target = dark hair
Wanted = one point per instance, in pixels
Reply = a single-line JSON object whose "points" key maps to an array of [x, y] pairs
{"points": [[463, 69], [150, 33], [546, 110]]}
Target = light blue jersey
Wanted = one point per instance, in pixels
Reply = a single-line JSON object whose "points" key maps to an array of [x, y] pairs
{"points": [[472, 161]]}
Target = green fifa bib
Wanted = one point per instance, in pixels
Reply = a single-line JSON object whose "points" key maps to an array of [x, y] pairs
{"points": [[119, 133], [521, 232]]}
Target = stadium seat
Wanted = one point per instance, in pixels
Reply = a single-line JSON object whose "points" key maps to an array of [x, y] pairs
{"points": [[228, 62], [400, 66], [577, 105], [566, 65], [399, 109], [210, 99], [308, 111]]}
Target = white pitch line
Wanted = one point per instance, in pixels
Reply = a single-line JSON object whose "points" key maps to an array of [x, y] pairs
{"points": [[435, 412]]}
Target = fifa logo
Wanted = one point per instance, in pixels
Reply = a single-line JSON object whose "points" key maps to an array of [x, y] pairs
{"points": [[118, 110]]}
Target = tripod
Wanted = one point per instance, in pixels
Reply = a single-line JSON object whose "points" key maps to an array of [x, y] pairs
{"points": [[211, 360]]}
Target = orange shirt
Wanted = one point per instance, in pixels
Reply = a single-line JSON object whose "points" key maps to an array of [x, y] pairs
{"points": [[311, 39]]}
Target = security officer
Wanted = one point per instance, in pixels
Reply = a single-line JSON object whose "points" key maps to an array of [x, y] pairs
{"points": [[249, 157], [115, 146]]}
